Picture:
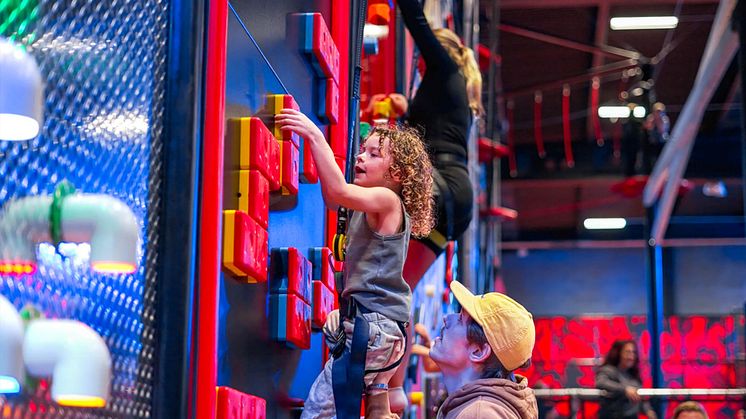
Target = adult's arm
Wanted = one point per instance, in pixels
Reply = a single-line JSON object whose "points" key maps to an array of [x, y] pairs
{"points": [[607, 378], [436, 57]]}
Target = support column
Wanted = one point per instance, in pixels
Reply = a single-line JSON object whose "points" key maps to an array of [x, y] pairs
{"points": [[739, 21], [654, 265]]}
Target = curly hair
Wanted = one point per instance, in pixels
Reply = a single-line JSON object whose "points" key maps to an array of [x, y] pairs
{"points": [[410, 163]]}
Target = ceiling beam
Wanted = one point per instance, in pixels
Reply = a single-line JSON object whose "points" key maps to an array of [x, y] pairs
{"points": [[722, 45], [557, 4], [615, 67], [679, 141], [605, 50]]}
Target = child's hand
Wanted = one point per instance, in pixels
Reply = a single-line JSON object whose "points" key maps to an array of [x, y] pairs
{"points": [[399, 104], [298, 123], [423, 349], [372, 101]]}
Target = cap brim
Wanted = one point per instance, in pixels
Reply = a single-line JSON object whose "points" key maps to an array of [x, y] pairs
{"points": [[467, 300]]}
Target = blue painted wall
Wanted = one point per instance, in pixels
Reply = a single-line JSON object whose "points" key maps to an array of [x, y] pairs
{"points": [[263, 59], [576, 281], [709, 280]]}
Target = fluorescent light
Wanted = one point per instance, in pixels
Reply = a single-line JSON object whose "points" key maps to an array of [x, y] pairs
{"points": [[613, 112], [644, 22], [620, 112], [604, 223]]}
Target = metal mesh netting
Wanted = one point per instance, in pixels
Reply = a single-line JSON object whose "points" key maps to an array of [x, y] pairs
{"points": [[103, 63]]}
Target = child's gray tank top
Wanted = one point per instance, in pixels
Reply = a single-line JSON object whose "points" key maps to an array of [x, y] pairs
{"points": [[373, 268]]}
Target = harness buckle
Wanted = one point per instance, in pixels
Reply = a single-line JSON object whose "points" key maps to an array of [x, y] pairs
{"points": [[338, 342]]}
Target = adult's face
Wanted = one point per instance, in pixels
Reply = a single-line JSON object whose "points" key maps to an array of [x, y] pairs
{"points": [[628, 357], [690, 415], [451, 349]]}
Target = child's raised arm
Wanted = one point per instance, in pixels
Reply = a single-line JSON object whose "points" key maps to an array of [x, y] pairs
{"points": [[335, 189]]}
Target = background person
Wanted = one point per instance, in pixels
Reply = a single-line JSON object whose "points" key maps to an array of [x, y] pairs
{"points": [[689, 410], [619, 375]]}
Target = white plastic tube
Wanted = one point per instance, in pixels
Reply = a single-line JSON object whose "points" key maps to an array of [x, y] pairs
{"points": [[11, 348], [105, 222], [21, 93], [76, 358]]}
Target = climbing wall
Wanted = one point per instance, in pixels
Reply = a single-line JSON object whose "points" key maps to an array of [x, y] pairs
{"points": [[266, 58], [103, 64]]}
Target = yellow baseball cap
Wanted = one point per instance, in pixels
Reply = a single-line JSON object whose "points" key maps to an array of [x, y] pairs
{"points": [[508, 326]]}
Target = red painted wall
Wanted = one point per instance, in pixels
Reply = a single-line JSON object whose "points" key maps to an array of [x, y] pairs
{"points": [[698, 352]]}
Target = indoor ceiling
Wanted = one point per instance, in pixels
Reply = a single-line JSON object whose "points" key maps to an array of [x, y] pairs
{"points": [[546, 44]]}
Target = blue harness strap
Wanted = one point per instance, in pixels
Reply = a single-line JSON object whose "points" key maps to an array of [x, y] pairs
{"points": [[348, 367], [348, 372]]}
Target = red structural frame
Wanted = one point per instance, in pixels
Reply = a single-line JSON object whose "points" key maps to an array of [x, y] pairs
{"points": [[512, 165], [566, 133], [380, 69], [210, 234], [538, 135], [340, 29]]}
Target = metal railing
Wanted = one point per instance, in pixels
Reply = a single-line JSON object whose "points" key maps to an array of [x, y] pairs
{"points": [[577, 397], [664, 393]]}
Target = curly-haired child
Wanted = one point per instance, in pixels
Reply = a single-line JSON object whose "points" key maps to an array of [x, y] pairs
{"points": [[390, 199]]}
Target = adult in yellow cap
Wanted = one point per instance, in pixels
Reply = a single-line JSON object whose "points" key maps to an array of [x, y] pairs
{"points": [[478, 351]]}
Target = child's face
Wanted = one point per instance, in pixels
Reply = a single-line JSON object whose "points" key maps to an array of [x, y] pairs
{"points": [[372, 163]]}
